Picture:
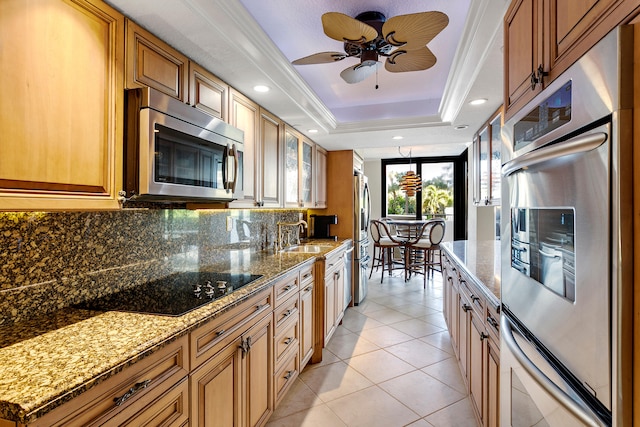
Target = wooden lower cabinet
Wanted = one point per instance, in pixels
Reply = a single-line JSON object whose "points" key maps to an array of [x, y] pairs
{"points": [[334, 300], [234, 387], [306, 323], [474, 331]]}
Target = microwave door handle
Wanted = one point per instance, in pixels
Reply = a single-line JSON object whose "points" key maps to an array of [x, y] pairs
{"points": [[573, 406], [579, 144]]}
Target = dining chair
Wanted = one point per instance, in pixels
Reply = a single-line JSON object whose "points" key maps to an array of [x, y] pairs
{"points": [[425, 244], [384, 242]]}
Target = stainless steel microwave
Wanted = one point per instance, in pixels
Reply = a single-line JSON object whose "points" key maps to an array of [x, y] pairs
{"points": [[174, 152]]}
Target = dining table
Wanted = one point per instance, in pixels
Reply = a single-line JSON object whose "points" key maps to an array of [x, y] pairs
{"points": [[406, 230]]}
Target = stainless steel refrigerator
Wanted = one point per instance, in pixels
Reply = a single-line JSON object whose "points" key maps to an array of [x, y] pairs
{"points": [[362, 212]]}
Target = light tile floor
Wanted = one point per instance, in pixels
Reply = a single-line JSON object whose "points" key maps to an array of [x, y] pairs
{"points": [[389, 364]]}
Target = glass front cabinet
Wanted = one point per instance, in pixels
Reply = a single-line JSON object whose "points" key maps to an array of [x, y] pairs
{"points": [[486, 162], [299, 165]]}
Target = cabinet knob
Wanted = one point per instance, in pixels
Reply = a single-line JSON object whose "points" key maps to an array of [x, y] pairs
{"points": [[483, 336], [466, 307]]}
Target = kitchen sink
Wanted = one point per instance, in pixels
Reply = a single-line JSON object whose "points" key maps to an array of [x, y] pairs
{"points": [[309, 249]]}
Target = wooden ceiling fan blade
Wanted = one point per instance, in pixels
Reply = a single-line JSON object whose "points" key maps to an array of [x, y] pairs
{"points": [[413, 60], [414, 30], [342, 27], [320, 58], [358, 73]]}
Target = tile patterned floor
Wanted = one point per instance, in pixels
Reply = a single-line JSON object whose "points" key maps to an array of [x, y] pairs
{"points": [[389, 364]]}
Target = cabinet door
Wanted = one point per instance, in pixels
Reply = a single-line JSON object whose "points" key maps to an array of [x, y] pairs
{"points": [[484, 164], [455, 318], [306, 174], [306, 324], [329, 307], [270, 160], [61, 105], [153, 63], [216, 395], [244, 114], [259, 372], [338, 278], [477, 351], [492, 381], [523, 50], [463, 334], [291, 155], [207, 92], [321, 178], [495, 128]]}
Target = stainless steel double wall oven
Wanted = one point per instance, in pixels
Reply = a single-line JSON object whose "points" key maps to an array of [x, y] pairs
{"points": [[567, 246]]}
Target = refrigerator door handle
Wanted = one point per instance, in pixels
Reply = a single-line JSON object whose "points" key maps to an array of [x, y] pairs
{"points": [[577, 408]]}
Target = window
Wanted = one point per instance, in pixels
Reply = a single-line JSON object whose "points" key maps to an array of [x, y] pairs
{"points": [[442, 194]]}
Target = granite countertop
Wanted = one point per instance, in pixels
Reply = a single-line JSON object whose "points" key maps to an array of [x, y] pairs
{"points": [[46, 361], [481, 261]]}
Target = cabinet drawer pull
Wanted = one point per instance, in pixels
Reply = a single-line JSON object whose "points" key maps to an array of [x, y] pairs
{"points": [[492, 322], [306, 275], [287, 313], [133, 390], [261, 306], [288, 341], [466, 307], [220, 332], [308, 289], [287, 288], [289, 374], [483, 336], [474, 298]]}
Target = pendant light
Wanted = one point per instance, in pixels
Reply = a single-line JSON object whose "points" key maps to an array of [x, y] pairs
{"points": [[410, 182]]}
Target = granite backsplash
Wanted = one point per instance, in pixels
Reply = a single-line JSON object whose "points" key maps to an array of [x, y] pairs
{"points": [[50, 260]]}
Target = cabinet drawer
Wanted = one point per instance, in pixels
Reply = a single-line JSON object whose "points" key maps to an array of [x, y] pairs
{"points": [[493, 322], [170, 409], [286, 376], [473, 294], [287, 338], [215, 335], [286, 287], [286, 311], [134, 388], [306, 276]]}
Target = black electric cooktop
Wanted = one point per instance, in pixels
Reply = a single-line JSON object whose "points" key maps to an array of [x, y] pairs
{"points": [[173, 295]]}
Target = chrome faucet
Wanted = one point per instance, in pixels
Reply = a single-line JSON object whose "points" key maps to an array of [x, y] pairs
{"points": [[285, 238]]}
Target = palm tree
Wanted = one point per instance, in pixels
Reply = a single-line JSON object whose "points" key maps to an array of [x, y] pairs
{"points": [[436, 199]]}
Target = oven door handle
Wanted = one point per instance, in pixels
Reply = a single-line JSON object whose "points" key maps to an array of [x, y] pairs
{"points": [[579, 144], [577, 408]]}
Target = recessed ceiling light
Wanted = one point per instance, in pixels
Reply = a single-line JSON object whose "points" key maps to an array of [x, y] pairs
{"points": [[460, 127], [261, 88], [398, 137], [478, 101], [313, 131]]}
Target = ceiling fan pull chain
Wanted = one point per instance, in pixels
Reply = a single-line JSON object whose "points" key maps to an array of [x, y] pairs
{"points": [[376, 78]]}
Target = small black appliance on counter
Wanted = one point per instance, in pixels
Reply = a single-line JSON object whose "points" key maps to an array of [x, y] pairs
{"points": [[320, 226]]}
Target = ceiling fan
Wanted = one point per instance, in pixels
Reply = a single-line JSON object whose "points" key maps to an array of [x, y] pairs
{"points": [[401, 39]]}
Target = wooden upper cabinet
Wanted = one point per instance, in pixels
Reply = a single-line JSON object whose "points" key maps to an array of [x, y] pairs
{"points": [[321, 177], [61, 106], [244, 114], [153, 63], [270, 160], [542, 38], [523, 52], [207, 92]]}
